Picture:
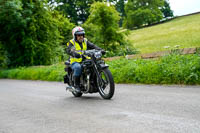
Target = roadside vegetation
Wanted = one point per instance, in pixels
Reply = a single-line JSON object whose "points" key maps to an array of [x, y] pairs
{"points": [[171, 69], [47, 73], [34, 34]]}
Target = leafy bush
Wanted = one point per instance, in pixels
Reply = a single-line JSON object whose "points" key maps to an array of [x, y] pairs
{"points": [[172, 69], [31, 33], [49, 73], [104, 21], [102, 28], [139, 13], [2, 55], [122, 51]]}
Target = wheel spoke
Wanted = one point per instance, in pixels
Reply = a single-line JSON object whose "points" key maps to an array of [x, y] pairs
{"points": [[106, 85]]}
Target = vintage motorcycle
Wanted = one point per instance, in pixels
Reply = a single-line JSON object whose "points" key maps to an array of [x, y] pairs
{"points": [[95, 76]]}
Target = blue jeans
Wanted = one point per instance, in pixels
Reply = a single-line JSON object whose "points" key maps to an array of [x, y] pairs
{"points": [[76, 67]]}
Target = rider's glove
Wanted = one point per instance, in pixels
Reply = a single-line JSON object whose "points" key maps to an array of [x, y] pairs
{"points": [[103, 52], [77, 55]]}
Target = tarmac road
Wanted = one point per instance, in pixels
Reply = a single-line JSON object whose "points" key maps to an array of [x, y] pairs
{"points": [[45, 107]]}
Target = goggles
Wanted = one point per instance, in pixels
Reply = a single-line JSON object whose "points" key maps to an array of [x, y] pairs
{"points": [[80, 35]]}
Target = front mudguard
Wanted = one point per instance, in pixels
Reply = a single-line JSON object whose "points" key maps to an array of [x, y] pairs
{"points": [[103, 66]]}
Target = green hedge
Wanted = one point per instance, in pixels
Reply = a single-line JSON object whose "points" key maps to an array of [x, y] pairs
{"points": [[172, 69], [49, 73]]}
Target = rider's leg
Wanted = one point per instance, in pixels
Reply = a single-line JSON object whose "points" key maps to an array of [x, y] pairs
{"points": [[77, 73]]}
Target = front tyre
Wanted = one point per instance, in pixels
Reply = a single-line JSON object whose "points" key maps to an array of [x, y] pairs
{"points": [[106, 85]]}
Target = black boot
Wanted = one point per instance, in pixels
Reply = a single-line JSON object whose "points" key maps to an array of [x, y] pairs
{"points": [[77, 83]]}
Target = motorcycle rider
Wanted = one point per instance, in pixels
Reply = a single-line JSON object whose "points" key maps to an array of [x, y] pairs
{"points": [[75, 48]]}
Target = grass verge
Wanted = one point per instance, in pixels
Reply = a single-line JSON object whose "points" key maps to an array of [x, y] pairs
{"points": [[48, 73], [172, 69]]}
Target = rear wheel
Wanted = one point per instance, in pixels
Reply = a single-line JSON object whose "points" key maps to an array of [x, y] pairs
{"points": [[106, 85]]}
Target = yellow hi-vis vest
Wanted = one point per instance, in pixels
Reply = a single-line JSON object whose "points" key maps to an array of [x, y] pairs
{"points": [[77, 48]]}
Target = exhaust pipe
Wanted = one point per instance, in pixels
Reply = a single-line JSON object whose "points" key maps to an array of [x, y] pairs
{"points": [[70, 88]]}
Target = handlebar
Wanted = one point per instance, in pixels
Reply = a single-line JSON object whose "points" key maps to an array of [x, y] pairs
{"points": [[92, 51]]}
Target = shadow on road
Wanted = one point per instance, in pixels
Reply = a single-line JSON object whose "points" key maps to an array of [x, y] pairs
{"points": [[84, 98]]}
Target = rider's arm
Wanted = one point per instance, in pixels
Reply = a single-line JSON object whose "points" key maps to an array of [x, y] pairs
{"points": [[71, 52], [69, 49], [92, 46]]}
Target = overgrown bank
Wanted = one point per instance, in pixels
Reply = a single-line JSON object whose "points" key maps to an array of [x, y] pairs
{"points": [[47, 73], [172, 69]]}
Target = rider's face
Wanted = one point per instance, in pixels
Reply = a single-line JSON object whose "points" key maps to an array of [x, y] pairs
{"points": [[80, 38]]}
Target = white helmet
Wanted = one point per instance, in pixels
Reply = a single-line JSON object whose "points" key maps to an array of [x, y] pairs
{"points": [[78, 31]]}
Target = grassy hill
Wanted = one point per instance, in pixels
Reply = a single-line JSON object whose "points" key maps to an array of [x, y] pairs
{"points": [[181, 31]]}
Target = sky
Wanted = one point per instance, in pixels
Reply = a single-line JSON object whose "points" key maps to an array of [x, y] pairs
{"points": [[183, 7]]}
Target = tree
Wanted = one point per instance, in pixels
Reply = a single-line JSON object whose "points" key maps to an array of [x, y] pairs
{"points": [[166, 10], [143, 12], [103, 25], [64, 26], [120, 8], [2, 55], [29, 33], [76, 10]]}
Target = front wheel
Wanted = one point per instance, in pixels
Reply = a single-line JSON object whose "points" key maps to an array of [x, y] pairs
{"points": [[106, 85]]}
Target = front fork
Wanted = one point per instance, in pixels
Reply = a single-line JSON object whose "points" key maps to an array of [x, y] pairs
{"points": [[99, 79]]}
